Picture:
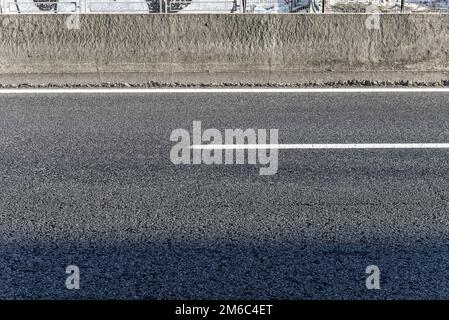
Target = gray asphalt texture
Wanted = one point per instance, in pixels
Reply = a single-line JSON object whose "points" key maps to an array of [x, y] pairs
{"points": [[86, 179]]}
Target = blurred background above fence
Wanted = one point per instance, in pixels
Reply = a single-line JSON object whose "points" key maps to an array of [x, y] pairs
{"points": [[222, 6]]}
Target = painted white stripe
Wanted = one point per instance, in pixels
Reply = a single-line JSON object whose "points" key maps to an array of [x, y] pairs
{"points": [[324, 146], [223, 90]]}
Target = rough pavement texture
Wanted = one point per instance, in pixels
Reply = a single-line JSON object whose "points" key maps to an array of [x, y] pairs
{"points": [[87, 180], [267, 46]]}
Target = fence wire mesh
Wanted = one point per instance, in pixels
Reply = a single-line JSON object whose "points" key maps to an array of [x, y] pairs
{"points": [[222, 6]]}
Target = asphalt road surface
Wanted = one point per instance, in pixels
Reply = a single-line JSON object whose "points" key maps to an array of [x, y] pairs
{"points": [[86, 180]]}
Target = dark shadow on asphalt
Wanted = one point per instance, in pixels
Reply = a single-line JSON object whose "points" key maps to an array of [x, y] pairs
{"points": [[233, 270]]}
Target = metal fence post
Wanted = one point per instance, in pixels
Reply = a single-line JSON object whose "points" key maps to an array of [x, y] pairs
{"points": [[323, 2], [83, 6], [402, 6], [3, 6]]}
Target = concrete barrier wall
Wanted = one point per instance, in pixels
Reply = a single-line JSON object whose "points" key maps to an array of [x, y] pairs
{"points": [[240, 46]]}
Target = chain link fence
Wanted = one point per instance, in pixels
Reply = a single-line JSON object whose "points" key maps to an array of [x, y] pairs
{"points": [[222, 6]]}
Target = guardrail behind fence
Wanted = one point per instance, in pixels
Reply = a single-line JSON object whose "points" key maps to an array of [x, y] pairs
{"points": [[222, 6]]}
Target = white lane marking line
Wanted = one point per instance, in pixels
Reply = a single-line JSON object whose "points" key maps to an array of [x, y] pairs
{"points": [[224, 90], [324, 146]]}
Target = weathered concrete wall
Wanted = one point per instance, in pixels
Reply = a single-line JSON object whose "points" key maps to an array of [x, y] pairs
{"points": [[294, 45]]}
